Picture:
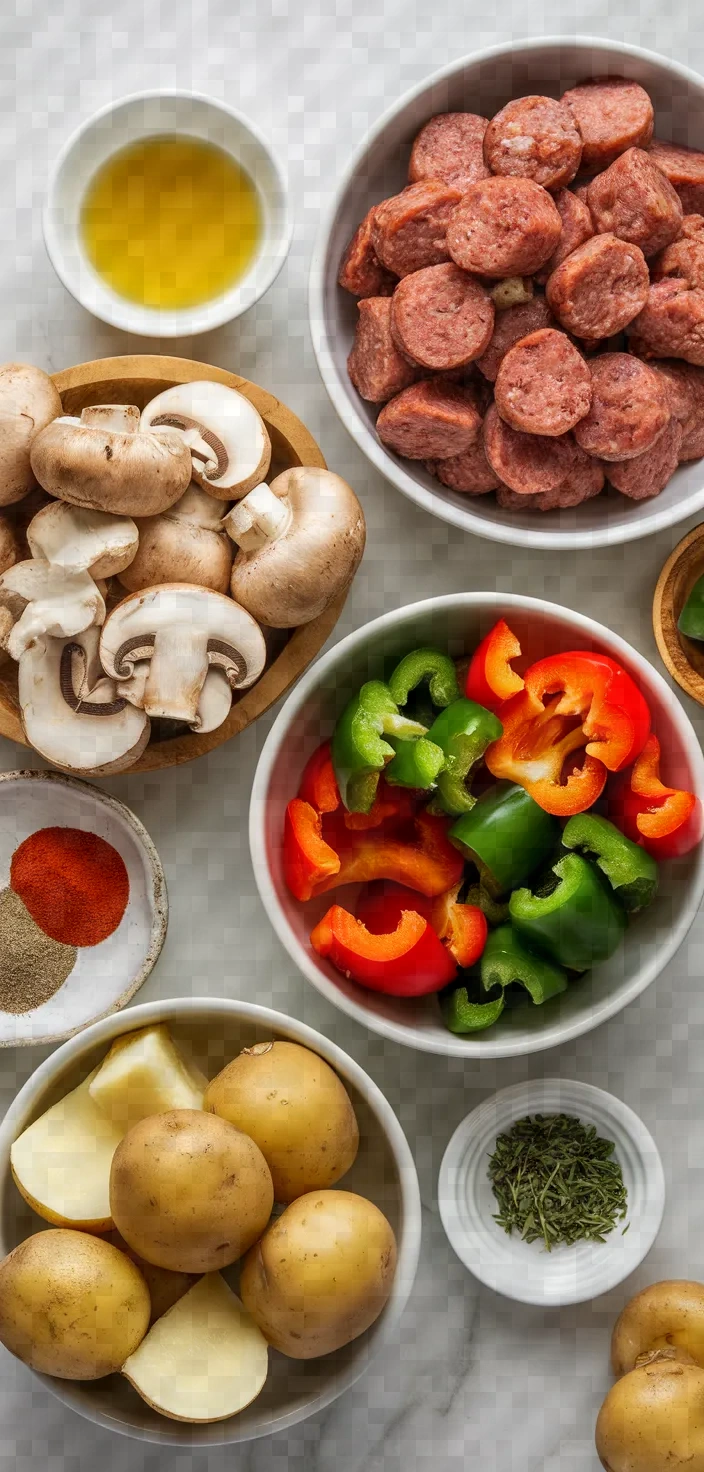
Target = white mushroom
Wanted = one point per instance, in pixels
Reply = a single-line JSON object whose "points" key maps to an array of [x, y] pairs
{"points": [[101, 461], [47, 600], [71, 714], [80, 540], [184, 545], [9, 545], [28, 402], [226, 435], [301, 541], [182, 631]]}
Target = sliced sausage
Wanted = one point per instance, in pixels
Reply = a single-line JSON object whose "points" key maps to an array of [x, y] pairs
{"points": [[504, 227], [633, 200], [685, 257], [441, 317], [648, 474], [671, 323], [509, 327], [449, 147], [408, 230], [612, 115], [376, 367], [691, 198], [600, 288], [577, 226], [680, 165], [630, 408], [543, 385], [585, 480], [684, 385], [431, 420], [470, 473], [527, 463], [534, 138], [361, 271]]}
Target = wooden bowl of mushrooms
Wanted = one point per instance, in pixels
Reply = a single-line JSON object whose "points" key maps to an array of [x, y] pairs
{"points": [[174, 553]]}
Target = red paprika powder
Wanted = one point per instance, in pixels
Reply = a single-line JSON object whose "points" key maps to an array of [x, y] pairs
{"points": [[74, 884]]}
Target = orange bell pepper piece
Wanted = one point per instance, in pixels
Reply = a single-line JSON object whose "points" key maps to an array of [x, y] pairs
{"points": [[490, 679], [410, 961], [319, 783], [667, 821], [308, 860]]}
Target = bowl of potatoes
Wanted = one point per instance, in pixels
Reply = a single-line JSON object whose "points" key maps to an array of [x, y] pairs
{"points": [[209, 1221]]}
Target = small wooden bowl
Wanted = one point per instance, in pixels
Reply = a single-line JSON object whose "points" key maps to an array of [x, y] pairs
{"points": [[684, 657], [136, 379]]}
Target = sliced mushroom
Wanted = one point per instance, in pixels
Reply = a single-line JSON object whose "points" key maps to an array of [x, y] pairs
{"points": [[80, 540], [101, 461], [227, 437], [9, 545], [47, 600], [182, 631], [184, 545], [301, 541], [28, 402], [71, 714]]}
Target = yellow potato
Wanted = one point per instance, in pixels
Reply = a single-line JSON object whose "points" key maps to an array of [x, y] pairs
{"points": [[188, 1191], [321, 1273], [165, 1287], [294, 1106], [667, 1314], [653, 1419], [61, 1163], [71, 1305]]}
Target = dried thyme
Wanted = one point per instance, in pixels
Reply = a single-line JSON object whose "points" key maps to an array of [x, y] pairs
{"points": [[556, 1179]]}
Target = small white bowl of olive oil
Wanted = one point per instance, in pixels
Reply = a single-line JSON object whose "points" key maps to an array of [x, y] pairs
{"points": [[167, 214]]}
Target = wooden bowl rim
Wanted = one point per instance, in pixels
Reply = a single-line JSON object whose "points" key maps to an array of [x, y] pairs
{"points": [[672, 645]]}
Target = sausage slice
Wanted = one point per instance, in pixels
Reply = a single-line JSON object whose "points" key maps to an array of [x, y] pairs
{"points": [[441, 317], [361, 271], [432, 420], [630, 408], [375, 366], [534, 138], [600, 287], [647, 475], [528, 464], [409, 230], [612, 115], [543, 385], [671, 323], [449, 147], [633, 200], [504, 227]]}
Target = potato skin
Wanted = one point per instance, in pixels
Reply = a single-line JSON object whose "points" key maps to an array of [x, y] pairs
{"points": [[653, 1420], [669, 1313], [72, 1305], [292, 1104], [321, 1273], [188, 1191]]}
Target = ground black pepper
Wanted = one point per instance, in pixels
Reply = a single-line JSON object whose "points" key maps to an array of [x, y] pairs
{"points": [[32, 965]]}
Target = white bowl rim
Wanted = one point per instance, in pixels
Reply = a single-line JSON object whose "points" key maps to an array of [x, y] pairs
{"points": [[651, 521], [523, 1097], [208, 315], [180, 1009], [451, 1045]]}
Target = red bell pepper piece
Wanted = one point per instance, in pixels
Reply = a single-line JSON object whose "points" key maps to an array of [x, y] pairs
{"points": [[308, 860], [490, 679], [462, 928], [390, 802], [408, 962], [579, 714], [417, 854], [381, 905], [319, 783], [664, 820]]}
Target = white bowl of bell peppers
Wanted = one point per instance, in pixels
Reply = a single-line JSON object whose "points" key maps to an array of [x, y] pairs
{"points": [[501, 847]]}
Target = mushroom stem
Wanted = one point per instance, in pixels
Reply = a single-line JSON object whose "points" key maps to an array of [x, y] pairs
{"points": [[259, 518], [201, 450], [177, 674]]}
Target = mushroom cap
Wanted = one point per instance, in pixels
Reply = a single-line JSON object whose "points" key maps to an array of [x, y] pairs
{"points": [[29, 400], [185, 544], [9, 545], [220, 421], [293, 579], [68, 731], [81, 540], [107, 469]]}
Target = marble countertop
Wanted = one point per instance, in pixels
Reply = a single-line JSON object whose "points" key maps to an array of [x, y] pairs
{"points": [[473, 1380]]}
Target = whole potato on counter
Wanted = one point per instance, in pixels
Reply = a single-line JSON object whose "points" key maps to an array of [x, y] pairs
{"points": [[666, 1314], [294, 1106], [188, 1191], [72, 1305], [653, 1419], [321, 1274]]}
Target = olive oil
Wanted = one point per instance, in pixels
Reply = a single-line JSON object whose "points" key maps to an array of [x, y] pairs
{"points": [[171, 222]]}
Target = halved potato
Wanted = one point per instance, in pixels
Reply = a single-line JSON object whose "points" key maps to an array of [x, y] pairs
{"points": [[61, 1163], [143, 1074], [204, 1360]]}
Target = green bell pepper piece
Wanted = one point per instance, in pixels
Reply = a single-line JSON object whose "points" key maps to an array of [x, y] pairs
{"points": [[631, 872], [461, 1013], [691, 619], [463, 731], [494, 911], [507, 961], [416, 763], [359, 752], [425, 664], [578, 923], [507, 835]]}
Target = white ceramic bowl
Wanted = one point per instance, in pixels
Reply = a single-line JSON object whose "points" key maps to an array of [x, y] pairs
{"points": [[105, 976], [213, 1032], [483, 83], [458, 622], [144, 115], [524, 1270]]}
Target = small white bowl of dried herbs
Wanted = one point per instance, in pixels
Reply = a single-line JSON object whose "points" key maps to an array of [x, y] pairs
{"points": [[551, 1192]]}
